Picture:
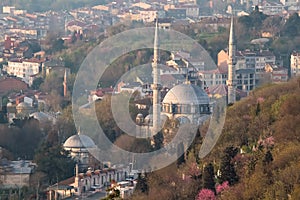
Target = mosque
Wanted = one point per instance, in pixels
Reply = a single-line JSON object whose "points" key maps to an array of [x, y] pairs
{"points": [[186, 103], [79, 146]]}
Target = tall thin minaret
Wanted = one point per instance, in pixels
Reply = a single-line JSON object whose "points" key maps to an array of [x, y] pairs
{"points": [[156, 86], [231, 65], [65, 84]]}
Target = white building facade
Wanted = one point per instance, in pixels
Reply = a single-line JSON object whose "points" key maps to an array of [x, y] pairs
{"points": [[23, 69], [295, 64]]}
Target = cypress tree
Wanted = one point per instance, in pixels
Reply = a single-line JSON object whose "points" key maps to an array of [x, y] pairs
{"points": [[227, 169]]}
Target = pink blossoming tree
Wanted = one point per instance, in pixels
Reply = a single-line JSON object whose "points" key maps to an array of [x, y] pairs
{"points": [[206, 194]]}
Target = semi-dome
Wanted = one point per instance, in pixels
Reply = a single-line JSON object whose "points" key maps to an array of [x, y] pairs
{"points": [[79, 141], [186, 94]]}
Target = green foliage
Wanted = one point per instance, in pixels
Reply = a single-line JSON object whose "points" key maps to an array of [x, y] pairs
{"points": [[292, 26], [105, 118], [275, 109], [265, 173], [209, 178], [158, 140], [141, 185], [227, 168], [58, 45], [37, 82], [268, 158], [54, 161], [22, 138]]}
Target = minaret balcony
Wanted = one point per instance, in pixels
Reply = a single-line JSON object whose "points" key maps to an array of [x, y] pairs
{"points": [[156, 86]]}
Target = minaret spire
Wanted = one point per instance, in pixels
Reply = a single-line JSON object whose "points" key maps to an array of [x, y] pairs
{"points": [[231, 64], [156, 86], [65, 84]]}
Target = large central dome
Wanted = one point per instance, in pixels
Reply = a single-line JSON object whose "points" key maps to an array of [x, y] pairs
{"points": [[186, 94]]}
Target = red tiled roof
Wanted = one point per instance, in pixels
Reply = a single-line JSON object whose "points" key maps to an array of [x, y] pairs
{"points": [[68, 181], [222, 90], [9, 84]]}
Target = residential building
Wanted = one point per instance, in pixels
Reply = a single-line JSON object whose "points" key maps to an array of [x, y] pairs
{"points": [[16, 173], [245, 79], [24, 68], [210, 78], [277, 74], [295, 64], [191, 10], [289, 2], [249, 59], [177, 13], [271, 8]]}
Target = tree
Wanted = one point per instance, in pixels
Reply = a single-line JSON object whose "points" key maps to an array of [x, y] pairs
{"points": [[54, 161], [292, 26], [37, 82], [209, 178], [227, 169], [268, 158], [57, 45], [158, 140], [273, 24], [141, 185], [180, 154], [21, 138], [222, 187], [206, 194]]}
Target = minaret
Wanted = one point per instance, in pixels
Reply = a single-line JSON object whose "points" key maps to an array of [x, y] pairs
{"points": [[231, 65], [65, 84], [156, 86]]}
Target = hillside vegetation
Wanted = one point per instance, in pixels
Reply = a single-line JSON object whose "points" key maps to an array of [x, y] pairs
{"points": [[266, 126], [257, 156]]}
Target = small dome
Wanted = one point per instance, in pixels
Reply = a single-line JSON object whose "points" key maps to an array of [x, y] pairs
{"points": [[186, 94], [140, 115], [40, 116], [79, 141]]}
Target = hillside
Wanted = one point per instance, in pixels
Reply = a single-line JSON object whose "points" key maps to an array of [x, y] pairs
{"points": [[266, 126], [256, 157]]}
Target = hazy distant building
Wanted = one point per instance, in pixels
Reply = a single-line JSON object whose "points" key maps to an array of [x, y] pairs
{"points": [[177, 13]]}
